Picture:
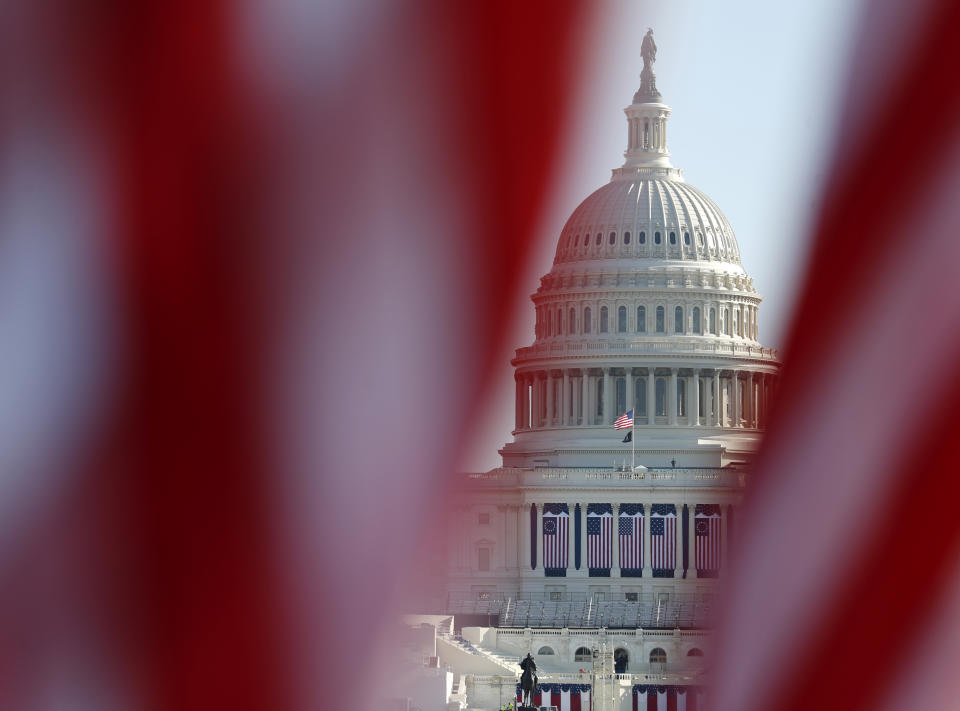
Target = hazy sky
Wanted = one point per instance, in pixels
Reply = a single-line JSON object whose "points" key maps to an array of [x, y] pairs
{"points": [[754, 89]]}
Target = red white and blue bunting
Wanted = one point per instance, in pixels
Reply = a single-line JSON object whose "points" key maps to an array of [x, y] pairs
{"points": [[566, 697], [650, 697]]}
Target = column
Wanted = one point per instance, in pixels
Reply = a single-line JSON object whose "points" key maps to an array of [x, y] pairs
{"points": [[572, 539], [548, 420], [584, 571], [723, 535], [534, 400], [539, 570], [678, 570], [672, 397], [628, 384], [735, 395], [692, 536], [587, 398], [500, 550], [694, 407], [716, 398], [577, 399], [517, 401], [607, 400], [647, 570], [751, 399], [523, 537], [651, 397], [565, 399], [615, 542]]}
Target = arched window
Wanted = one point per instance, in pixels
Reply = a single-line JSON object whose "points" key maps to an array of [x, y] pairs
{"points": [[682, 397], [673, 238], [599, 238], [713, 321], [621, 405], [661, 397], [640, 397], [613, 237], [603, 319], [572, 321], [695, 652], [559, 321], [641, 319], [678, 320], [686, 238], [736, 322], [586, 320], [656, 238], [550, 323], [546, 651], [626, 238], [621, 661], [660, 316], [658, 656], [696, 319], [643, 238], [622, 319], [582, 655], [727, 324], [600, 397]]}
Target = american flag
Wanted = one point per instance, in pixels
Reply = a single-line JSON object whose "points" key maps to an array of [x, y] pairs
{"points": [[707, 530], [631, 537], [663, 537], [599, 533], [624, 422], [556, 536]]}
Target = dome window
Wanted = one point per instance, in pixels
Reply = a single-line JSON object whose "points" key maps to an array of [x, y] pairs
{"points": [[626, 238], [713, 321], [661, 396], [572, 322], [559, 322], [641, 319], [622, 319], [613, 237], [656, 238], [643, 238], [700, 239], [660, 318], [640, 387], [576, 240], [678, 320], [696, 319], [603, 319], [586, 320], [686, 238], [673, 238], [599, 238]]}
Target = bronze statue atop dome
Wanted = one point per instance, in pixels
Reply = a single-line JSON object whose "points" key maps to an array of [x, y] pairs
{"points": [[648, 80], [648, 49]]}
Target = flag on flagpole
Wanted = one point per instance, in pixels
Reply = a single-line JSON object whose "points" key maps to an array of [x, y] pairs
{"points": [[624, 422], [629, 437]]}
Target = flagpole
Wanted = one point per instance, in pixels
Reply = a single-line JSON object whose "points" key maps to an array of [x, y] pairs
{"points": [[633, 440]]}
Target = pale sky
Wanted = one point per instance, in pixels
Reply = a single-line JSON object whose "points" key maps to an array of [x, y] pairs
{"points": [[754, 87]]}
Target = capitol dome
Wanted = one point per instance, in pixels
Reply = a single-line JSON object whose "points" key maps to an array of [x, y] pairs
{"points": [[646, 310], [648, 218]]}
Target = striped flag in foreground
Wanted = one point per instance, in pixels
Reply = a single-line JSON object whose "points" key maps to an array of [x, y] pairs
{"points": [[624, 422], [556, 538], [663, 539], [599, 536], [630, 531], [707, 535]]}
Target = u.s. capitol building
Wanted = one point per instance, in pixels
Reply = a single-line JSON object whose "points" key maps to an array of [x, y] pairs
{"points": [[582, 540]]}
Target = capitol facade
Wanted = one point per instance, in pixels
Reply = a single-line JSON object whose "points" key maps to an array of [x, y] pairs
{"points": [[593, 545]]}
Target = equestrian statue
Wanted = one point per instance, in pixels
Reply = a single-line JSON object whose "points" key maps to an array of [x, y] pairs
{"points": [[528, 680]]}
